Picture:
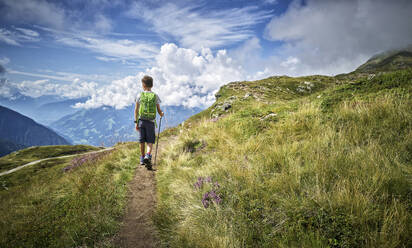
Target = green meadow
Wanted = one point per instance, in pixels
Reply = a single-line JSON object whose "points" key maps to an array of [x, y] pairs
{"points": [[294, 162], [44, 205]]}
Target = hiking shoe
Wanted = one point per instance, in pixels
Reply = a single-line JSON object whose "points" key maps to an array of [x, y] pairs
{"points": [[142, 162], [148, 161], [148, 158]]}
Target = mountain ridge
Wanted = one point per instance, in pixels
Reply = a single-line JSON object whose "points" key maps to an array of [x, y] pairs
{"points": [[20, 130], [389, 61]]}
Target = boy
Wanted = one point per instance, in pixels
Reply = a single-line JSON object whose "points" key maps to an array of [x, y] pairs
{"points": [[145, 114]]}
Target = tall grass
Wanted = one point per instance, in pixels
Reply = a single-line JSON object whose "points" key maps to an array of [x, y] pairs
{"points": [[323, 173], [46, 206]]}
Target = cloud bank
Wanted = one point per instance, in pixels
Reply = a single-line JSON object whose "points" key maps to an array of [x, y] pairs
{"points": [[194, 28], [330, 37], [37, 88], [30, 11], [181, 77]]}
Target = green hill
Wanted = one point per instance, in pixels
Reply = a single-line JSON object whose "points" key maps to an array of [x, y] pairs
{"points": [[393, 60], [293, 162]]}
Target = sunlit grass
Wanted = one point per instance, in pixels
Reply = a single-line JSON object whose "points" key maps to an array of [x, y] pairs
{"points": [[44, 206], [333, 171]]}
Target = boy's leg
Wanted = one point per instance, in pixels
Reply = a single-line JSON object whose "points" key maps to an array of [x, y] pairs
{"points": [[142, 140], [148, 157], [142, 148], [149, 148]]}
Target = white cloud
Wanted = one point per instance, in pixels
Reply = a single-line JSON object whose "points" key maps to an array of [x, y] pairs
{"points": [[4, 60], [290, 63], [249, 55], [18, 36], [194, 28], [270, 1], [33, 11], [116, 48], [28, 32], [120, 60], [119, 94], [77, 88], [6, 90], [329, 37], [62, 76], [181, 77], [7, 37], [102, 23]]}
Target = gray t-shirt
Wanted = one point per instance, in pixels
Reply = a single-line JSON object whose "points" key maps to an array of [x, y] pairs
{"points": [[158, 101]]}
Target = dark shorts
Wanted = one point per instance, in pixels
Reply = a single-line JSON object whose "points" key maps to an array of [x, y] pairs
{"points": [[147, 131]]}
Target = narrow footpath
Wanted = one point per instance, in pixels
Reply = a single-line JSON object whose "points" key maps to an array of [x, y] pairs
{"points": [[138, 230]]}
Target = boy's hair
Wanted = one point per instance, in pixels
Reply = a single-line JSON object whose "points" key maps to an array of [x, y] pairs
{"points": [[147, 81]]}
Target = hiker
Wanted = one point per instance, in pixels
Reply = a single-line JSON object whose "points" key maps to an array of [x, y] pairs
{"points": [[147, 102]]}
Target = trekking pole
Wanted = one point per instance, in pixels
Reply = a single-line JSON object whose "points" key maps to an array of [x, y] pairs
{"points": [[158, 136]]}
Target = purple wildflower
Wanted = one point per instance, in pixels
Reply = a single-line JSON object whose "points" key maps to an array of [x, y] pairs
{"points": [[218, 200], [210, 196], [199, 183], [205, 200], [80, 160]]}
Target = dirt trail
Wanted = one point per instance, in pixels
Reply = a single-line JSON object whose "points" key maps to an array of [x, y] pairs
{"points": [[137, 228], [44, 159]]}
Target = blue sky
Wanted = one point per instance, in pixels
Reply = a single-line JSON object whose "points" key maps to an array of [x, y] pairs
{"points": [[100, 48]]}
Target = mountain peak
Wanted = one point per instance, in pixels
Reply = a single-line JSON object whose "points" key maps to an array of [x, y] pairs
{"points": [[388, 61]]}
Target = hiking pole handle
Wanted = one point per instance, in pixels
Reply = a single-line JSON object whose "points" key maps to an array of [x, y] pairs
{"points": [[158, 136]]}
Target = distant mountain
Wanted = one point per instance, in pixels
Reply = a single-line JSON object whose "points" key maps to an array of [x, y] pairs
{"points": [[18, 131], [53, 111], [44, 109], [7, 147], [107, 125], [388, 61]]}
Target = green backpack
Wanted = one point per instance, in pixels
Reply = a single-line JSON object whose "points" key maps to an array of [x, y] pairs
{"points": [[147, 109]]}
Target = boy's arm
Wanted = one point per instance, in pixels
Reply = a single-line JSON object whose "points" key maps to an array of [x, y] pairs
{"points": [[159, 110], [136, 114]]}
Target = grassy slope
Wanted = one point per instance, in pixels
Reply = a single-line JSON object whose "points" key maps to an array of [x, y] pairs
{"points": [[27, 155], [331, 169], [42, 206]]}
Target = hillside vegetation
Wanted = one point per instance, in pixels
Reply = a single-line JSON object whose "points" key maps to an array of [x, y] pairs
{"points": [[293, 162], [34, 153], [70, 202]]}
